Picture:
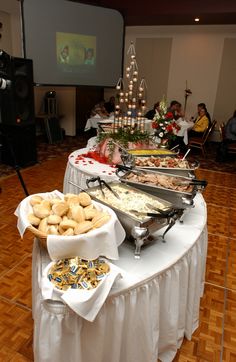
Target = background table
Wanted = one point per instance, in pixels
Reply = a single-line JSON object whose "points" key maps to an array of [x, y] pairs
{"points": [[147, 313], [185, 126], [94, 121]]}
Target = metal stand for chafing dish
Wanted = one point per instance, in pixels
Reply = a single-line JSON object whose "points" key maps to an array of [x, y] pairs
{"points": [[141, 235]]}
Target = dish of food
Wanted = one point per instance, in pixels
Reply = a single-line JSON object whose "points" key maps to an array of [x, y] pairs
{"points": [[150, 152], [160, 180], [129, 199], [77, 273], [161, 162], [74, 215]]}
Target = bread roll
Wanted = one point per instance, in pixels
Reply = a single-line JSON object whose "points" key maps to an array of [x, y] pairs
{"points": [[90, 213], [54, 219], [60, 208], [100, 219], [89, 207], [69, 232], [36, 199], [40, 211], [77, 213], [83, 227], [73, 200], [46, 204], [84, 199], [68, 224], [52, 230], [54, 201], [34, 220], [43, 226]]}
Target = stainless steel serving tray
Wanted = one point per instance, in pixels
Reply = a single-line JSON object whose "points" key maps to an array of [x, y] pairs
{"points": [[129, 221], [186, 172], [152, 152], [179, 199]]}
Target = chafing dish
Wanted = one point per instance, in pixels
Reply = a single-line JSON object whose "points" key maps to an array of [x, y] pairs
{"points": [[141, 218], [167, 164], [178, 196]]}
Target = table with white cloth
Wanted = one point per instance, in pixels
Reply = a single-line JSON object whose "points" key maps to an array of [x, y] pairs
{"points": [[79, 170], [185, 126], [93, 122], [148, 311]]}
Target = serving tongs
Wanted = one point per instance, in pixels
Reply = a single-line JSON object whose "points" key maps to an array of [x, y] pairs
{"points": [[171, 215], [101, 184], [199, 183], [121, 168]]}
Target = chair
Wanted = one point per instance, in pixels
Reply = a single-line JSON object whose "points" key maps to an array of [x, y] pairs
{"points": [[195, 142], [231, 147]]}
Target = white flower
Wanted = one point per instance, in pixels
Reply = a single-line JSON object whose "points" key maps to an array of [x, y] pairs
{"points": [[161, 134], [161, 124]]}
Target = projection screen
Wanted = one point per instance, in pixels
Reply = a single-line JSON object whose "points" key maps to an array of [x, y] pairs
{"points": [[72, 43]]}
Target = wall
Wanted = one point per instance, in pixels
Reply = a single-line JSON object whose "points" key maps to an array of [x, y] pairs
{"points": [[66, 101], [204, 56], [10, 16]]}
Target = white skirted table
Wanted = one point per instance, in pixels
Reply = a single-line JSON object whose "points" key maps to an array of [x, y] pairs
{"points": [[79, 169], [147, 313]]}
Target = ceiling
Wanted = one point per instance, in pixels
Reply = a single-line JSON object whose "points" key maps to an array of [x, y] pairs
{"points": [[171, 12]]}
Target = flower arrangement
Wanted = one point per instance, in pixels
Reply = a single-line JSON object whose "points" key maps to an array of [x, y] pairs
{"points": [[164, 123]]}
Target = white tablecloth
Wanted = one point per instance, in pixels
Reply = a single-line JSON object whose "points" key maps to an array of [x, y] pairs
{"points": [[185, 126], [94, 121], [147, 313], [78, 171]]}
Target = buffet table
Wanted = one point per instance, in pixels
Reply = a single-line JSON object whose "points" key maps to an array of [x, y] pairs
{"points": [[78, 171], [148, 311]]}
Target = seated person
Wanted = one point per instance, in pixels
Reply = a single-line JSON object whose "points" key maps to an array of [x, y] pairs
{"points": [[99, 110], [110, 105], [199, 107], [200, 125], [230, 129], [229, 138], [176, 108], [150, 114]]}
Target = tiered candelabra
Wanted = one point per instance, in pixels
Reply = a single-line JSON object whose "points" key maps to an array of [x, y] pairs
{"points": [[131, 99]]}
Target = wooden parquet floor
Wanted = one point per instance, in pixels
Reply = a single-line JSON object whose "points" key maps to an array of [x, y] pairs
{"points": [[214, 340]]}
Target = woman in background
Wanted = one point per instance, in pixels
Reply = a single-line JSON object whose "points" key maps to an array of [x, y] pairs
{"points": [[201, 124]]}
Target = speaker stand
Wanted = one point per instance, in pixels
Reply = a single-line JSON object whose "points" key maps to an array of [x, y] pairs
{"points": [[15, 166]]}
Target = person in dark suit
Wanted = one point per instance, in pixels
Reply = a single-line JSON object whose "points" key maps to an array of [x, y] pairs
{"points": [[110, 105], [150, 114]]}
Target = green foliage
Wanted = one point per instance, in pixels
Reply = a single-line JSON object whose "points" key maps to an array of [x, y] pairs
{"points": [[125, 135]]}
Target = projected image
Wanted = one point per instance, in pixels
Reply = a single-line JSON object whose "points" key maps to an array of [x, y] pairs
{"points": [[75, 49]]}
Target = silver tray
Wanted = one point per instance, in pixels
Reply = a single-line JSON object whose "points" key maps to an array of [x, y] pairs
{"points": [[179, 199], [186, 172], [152, 152], [146, 221]]}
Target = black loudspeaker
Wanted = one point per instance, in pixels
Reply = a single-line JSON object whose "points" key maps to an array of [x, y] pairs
{"points": [[17, 119], [17, 99]]}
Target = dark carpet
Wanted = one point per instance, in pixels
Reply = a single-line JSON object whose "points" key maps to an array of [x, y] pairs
{"points": [[46, 151]]}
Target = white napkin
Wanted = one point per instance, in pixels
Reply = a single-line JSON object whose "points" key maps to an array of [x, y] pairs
{"points": [[103, 241], [86, 303]]}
